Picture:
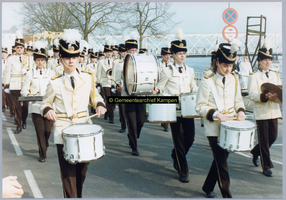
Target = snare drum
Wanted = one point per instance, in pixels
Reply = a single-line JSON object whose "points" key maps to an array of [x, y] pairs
{"points": [[188, 104], [162, 113], [141, 73], [237, 135], [83, 143]]}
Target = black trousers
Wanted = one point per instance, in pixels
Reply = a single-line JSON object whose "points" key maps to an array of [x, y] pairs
{"points": [[43, 128], [72, 176], [267, 134], [10, 104], [3, 100], [122, 116], [135, 115], [107, 93], [218, 171], [21, 112], [183, 134]]}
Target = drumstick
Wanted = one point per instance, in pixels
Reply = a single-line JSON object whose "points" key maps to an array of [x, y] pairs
{"points": [[229, 118], [91, 116]]}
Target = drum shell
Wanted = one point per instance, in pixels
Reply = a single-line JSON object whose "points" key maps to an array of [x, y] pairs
{"points": [[145, 73], [236, 138], [162, 113], [80, 148], [188, 104]]}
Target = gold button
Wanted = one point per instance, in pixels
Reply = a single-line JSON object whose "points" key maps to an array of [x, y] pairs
{"points": [[74, 101]]}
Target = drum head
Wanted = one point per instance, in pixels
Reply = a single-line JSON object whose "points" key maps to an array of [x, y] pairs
{"points": [[82, 129], [246, 124], [129, 72]]}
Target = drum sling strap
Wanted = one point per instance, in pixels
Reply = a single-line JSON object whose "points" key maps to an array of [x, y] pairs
{"points": [[216, 98], [67, 105]]}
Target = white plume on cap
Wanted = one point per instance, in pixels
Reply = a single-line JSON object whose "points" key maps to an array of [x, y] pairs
{"points": [[30, 43], [56, 42], [134, 35], [83, 44], [235, 44], [50, 53], [19, 34], [71, 36], [109, 42], [168, 43], [179, 34], [81, 48], [101, 48], [25, 45], [267, 44], [38, 45]]}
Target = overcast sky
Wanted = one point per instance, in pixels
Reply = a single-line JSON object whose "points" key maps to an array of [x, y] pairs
{"points": [[195, 17]]}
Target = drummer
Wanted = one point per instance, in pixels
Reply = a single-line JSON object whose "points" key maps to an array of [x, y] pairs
{"points": [[67, 98], [35, 83], [266, 109], [166, 55], [176, 79], [224, 86]]}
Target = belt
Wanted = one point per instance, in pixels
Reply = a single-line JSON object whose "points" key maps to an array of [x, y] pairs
{"points": [[78, 115], [228, 111], [17, 75]]}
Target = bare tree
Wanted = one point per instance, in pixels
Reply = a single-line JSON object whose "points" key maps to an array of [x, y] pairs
{"points": [[90, 16], [39, 17], [148, 18]]}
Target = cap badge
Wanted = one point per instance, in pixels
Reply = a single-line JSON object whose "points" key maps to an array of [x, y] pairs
{"points": [[181, 44], [71, 48], [267, 52]]}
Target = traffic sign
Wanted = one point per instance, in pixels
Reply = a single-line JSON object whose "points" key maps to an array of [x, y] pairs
{"points": [[229, 33], [229, 16]]}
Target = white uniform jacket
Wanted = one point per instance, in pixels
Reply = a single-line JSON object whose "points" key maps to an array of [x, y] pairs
{"points": [[263, 108], [15, 71], [52, 63], [36, 84], [101, 72], [229, 96], [78, 100], [92, 67]]}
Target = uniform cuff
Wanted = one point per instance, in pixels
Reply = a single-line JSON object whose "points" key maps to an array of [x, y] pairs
{"points": [[263, 97], [46, 110], [240, 109], [100, 104], [210, 115]]}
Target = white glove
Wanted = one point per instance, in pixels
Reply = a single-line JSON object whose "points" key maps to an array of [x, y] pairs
{"points": [[24, 71], [7, 91], [113, 90], [98, 88]]}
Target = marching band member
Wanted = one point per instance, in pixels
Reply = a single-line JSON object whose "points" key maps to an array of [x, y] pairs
{"points": [[92, 66], [30, 55], [68, 96], [119, 85], [16, 69], [90, 51], [222, 87], [266, 109], [4, 62], [244, 70], [35, 83], [176, 79], [115, 49], [53, 63], [100, 56], [105, 82], [81, 63], [166, 55]]}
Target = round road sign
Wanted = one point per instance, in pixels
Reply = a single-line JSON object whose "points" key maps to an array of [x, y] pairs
{"points": [[229, 16], [229, 33]]}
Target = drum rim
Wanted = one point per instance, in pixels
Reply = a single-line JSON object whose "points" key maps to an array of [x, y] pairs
{"points": [[126, 60], [101, 130], [238, 129]]}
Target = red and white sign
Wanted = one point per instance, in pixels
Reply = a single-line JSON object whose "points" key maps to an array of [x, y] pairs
{"points": [[229, 33], [229, 16]]}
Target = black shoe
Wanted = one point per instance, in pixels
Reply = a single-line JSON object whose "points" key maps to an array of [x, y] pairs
{"points": [[18, 130], [24, 125], [162, 124], [267, 172], [122, 130], [111, 121], [211, 194], [184, 179], [175, 164], [166, 129], [255, 160], [41, 159], [135, 152]]}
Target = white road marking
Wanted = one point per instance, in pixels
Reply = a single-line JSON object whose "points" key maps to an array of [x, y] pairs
{"points": [[250, 156], [14, 142], [33, 184], [3, 117], [276, 145]]}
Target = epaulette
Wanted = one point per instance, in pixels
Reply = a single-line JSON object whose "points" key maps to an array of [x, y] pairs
{"points": [[206, 77], [273, 71], [114, 59], [253, 72], [121, 61], [208, 69], [58, 65], [54, 77], [86, 72]]}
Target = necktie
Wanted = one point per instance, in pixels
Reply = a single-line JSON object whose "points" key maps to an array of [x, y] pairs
{"points": [[93, 65], [41, 72], [180, 69], [72, 82], [58, 61], [20, 59], [266, 73], [4, 61], [108, 62], [223, 80], [166, 64]]}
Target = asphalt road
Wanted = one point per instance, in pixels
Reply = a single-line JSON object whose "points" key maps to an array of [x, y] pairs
{"points": [[120, 175]]}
